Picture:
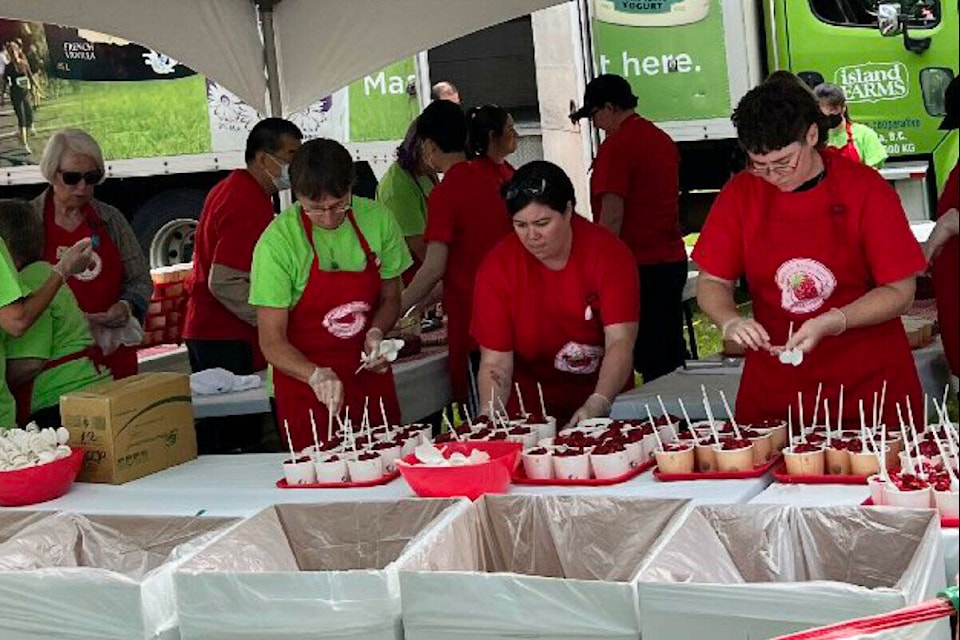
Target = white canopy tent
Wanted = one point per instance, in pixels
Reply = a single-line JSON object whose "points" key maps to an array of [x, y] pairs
{"points": [[305, 50]]}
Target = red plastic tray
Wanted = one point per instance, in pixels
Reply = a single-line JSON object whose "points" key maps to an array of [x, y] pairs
{"points": [[780, 473], [382, 480], [520, 477], [756, 472], [946, 523]]}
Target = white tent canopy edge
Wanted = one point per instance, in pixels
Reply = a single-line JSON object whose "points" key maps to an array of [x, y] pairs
{"points": [[321, 45]]}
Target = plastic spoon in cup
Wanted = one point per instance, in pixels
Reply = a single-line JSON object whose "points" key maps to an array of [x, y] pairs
{"points": [[655, 432], [709, 410], [803, 431], [383, 413], [313, 430], [840, 411], [882, 456], [883, 401], [826, 416], [726, 407], [906, 440], [816, 404], [946, 461], [686, 417], [666, 416], [293, 456], [523, 410], [543, 405], [790, 427], [329, 426], [916, 438]]}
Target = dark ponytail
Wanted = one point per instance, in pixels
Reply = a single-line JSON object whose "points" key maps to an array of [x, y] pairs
{"points": [[482, 124]]}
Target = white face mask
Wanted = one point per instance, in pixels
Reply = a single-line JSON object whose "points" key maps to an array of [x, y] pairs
{"points": [[281, 181]]}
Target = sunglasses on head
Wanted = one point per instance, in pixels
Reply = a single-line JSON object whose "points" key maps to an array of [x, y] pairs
{"points": [[530, 189], [71, 178]]}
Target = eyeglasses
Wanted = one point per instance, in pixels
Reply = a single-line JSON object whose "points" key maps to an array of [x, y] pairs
{"points": [[781, 167], [336, 208], [71, 178], [530, 189]]}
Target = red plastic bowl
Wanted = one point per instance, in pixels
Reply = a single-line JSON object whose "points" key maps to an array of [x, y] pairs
{"points": [[39, 484], [470, 481]]}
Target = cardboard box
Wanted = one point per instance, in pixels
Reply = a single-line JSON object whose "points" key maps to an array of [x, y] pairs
{"points": [[535, 566], [755, 572], [74, 577], [308, 572], [132, 427]]}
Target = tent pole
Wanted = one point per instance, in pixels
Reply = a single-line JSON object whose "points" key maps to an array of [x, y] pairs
{"points": [[265, 10]]}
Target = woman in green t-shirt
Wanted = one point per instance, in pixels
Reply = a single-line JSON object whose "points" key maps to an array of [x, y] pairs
{"points": [[55, 355], [404, 189], [854, 140]]}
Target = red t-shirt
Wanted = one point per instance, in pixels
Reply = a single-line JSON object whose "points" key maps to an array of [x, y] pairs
{"points": [[640, 163], [465, 212], [873, 212], [946, 278], [235, 214], [500, 172], [541, 315]]}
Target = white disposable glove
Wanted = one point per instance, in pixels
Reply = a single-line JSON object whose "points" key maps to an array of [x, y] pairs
{"points": [[596, 406], [328, 388], [75, 260], [746, 332]]}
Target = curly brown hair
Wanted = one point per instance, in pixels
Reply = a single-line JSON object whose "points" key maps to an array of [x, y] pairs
{"points": [[777, 113]]}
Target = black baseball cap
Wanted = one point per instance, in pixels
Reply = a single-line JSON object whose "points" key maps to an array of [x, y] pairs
{"points": [[606, 88], [951, 98]]}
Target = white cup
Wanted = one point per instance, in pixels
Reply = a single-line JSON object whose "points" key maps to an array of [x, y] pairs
{"points": [[538, 467], [918, 499], [572, 467], [948, 503], [610, 465], [298, 473], [365, 470], [331, 471]]}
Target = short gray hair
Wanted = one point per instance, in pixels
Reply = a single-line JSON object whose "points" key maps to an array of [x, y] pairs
{"points": [[69, 141]]}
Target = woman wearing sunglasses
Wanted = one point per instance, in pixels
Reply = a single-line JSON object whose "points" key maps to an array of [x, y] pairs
{"points": [[117, 285], [556, 303], [326, 284], [825, 246]]}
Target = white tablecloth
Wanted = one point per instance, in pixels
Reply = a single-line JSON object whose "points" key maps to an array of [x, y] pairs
{"points": [[828, 495], [423, 388], [244, 484], [685, 384]]}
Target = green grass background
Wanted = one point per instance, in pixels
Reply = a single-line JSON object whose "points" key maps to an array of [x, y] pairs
{"points": [[136, 119]]}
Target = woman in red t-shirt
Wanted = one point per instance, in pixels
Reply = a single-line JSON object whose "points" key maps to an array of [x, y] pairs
{"points": [[825, 246], [556, 303], [943, 246], [466, 217]]}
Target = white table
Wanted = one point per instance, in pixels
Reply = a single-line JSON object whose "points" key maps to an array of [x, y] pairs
{"points": [[829, 495], [423, 388], [241, 485], [685, 384]]}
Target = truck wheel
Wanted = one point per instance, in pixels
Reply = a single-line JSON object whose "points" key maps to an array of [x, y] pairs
{"points": [[165, 226]]}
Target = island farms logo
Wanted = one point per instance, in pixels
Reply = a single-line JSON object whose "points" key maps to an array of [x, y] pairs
{"points": [[873, 81]]}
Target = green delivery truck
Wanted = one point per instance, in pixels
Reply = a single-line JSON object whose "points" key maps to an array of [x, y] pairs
{"points": [[690, 61], [169, 134]]}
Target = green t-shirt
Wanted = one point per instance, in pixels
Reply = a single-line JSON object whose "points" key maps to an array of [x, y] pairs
{"points": [[10, 291], [865, 139], [282, 258], [60, 330], [406, 198]]}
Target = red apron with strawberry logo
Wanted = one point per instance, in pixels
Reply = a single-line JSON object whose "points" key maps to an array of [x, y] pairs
{"points": [[559, 344], [328, 325], [946, 273], [99, 287], [804, 259], [850, 150]]}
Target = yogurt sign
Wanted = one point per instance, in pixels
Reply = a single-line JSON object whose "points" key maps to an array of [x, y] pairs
{"points": [[873, 81]]}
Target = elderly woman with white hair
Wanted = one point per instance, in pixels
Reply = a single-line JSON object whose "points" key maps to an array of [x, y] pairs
{"points": [[117, 285]]}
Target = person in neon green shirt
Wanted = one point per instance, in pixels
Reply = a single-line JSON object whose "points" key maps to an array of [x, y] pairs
{"points": [[20, 309], [282, 257], [855, 140], [404, 189], [60, 331]]}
